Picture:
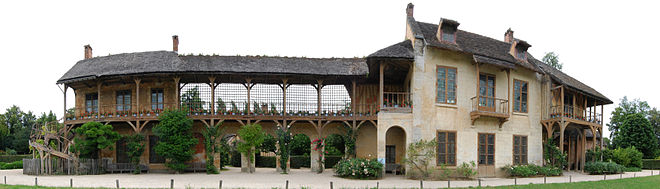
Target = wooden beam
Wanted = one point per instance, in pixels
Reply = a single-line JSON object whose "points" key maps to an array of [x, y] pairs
{"points": [[137, 95], [178, 92], [381, 84], [318, 98], [98, 97], [212, 85]]}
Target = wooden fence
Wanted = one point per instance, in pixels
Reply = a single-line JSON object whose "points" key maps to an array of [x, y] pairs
{"points": [[63, 166]]}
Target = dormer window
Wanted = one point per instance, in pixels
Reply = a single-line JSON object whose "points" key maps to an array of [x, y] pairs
{"points": [[447, 31], [448, 34], [520, 54]]}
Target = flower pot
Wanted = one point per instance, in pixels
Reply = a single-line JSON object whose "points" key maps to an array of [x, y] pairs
{"points": [[148, 114]]}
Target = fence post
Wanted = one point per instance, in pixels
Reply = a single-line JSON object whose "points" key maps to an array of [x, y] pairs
{"points": [[220, 185], [71, 183], [171, 183], [604, 177], [421, 184], [480, 182], [544, 179], [448, 183], [35, 181], [287, 184], [117, 181], [377, 185], [5, 180], [620, 175], [570, 178], [515, 181], [331, 185]]}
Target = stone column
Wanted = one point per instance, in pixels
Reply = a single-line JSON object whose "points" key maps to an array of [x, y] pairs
{"points": [[246, 166]]}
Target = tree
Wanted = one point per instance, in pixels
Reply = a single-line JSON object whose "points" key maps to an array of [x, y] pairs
{"points": [[552, 59], [176, 143], [625, 108], [4, 129], [419, 156], [301, 145], [191, 100], [211, 136], [134, 149], [636, 131], [251, 136], [654, 119], [92, 137], [334, 145], [269, 144], [284, 141], [553, 156]]}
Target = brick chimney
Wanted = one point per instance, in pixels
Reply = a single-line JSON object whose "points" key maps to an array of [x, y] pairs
{"points": [[175, 43], [409, 10], [508, 36], [88, 52]]}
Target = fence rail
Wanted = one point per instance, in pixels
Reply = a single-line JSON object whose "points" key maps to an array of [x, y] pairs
{"points": [[490, 104], [577, 113], [63, 166]]}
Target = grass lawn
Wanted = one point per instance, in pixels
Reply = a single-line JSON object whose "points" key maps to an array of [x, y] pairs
{"points": [[639, 182]]}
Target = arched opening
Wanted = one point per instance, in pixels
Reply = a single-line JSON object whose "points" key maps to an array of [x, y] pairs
{"points": [[395, 147], [366, 143]]}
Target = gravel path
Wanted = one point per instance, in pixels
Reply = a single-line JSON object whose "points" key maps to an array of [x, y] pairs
{"points": [[269, 178]]}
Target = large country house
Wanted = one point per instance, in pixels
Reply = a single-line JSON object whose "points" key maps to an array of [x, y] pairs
{"points": [[482, 99]]}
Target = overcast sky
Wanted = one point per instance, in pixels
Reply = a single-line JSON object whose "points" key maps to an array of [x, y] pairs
{"points": [[610, 46]]}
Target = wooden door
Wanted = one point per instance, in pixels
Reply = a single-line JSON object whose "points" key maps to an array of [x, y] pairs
{"points": [[486, 92], [486, 152], [390, 154]]}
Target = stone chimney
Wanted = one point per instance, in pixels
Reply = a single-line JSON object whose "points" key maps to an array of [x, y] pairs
{"points": [[409, 10], [508, 36], [88, 52], [175, 43]]}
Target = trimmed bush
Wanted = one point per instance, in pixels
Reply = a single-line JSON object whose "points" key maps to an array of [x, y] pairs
{"points": [[235, 158], [531, 170], [651, 163], [599, 167], [628, 157], [265, 161], [299, 161], [13, 158], [359, 168], [12, 165], [331, 161]]}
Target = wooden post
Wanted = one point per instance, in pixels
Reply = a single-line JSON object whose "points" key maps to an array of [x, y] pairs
{"points": [[171, 183], [381, 85], [137, 96], [117, 182], [98, 96], [477, 91], [248, 87], [318, 98], [220, 185], [508, 95], [64, 91], [287, 185], [573, 106], [284, 86], [353, 97], [212, 85], [561, 124], [178, 92]]}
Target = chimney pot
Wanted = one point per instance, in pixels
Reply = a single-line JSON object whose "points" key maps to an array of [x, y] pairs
{"points": [[409, 9], [175, 43], [88, 52], [508, 36]]}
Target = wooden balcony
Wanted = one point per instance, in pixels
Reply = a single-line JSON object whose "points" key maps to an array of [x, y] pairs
{"points": [[397, 102], [576, 115], [489, 107]]}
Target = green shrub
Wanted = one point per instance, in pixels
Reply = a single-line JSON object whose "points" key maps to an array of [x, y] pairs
{"points": [[467, 170], [134, 149], [300, 145], [632, 169], [300, 161], [12, 165], [13, 158], [92, 137], [594, 155], [600, 167], [651, 163], [628, 157], [176, 142], [531, 170], [331, 161], [359, 168], [265, 161]]}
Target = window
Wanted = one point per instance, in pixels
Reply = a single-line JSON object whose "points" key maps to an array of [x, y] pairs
{"points": [[519, 96], [486, 149], [153, 156], [486, 92], [446, 85], [520, 54], [519, 150], [123, 100], [92, 102], [446, 148], [448, 34], [156, 99]]}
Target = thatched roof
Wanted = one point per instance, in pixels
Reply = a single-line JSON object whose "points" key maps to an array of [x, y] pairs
{"points": [[474, 44], [496, 52], [171, 62], [571, 82], [402, 49]]}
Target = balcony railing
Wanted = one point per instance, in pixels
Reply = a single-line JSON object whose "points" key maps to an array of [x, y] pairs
{"points": [[298, 109], [393, 100], [576, 113], [490, 105]]}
